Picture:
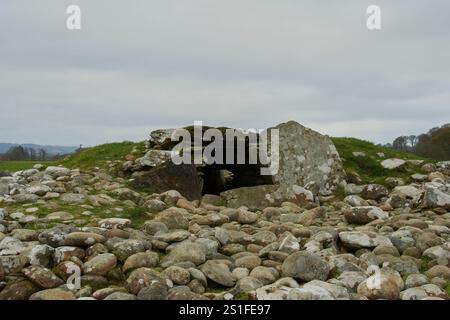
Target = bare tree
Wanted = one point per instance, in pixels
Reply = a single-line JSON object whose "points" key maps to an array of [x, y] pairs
{"points": [[42, 154], [401, 143]]}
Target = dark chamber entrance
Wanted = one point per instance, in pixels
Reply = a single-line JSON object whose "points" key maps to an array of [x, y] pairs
{"points": [[225, 174], [219, 178]]}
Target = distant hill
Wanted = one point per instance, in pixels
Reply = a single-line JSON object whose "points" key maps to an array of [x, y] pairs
{"points": [[51, 150]]}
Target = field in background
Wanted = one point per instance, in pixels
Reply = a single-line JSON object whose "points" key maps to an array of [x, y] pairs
{"points": [[13, 166]]}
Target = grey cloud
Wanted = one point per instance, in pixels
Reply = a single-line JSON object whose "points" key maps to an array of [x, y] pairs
{"points": [[252, 63]]}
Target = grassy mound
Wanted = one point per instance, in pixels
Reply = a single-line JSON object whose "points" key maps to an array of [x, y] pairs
{"points": [[99, 156], [368, 167]]}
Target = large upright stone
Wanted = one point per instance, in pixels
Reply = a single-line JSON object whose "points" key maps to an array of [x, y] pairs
{"points": [[308, 160], [309, 165]]}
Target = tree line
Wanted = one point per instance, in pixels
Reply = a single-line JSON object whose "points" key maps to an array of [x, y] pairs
{"points": [[434, 144], [20, 153]]}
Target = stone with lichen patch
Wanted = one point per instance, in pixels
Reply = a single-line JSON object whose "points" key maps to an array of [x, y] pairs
{"points": [[141, 278], [100, 265], [53, 294], [359, 239], [114, 223], [307, 159], [83, 239], [364, 214], [42, 277]]}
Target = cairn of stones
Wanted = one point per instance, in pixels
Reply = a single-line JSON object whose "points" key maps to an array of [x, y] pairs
{"points": [[157, 231]]}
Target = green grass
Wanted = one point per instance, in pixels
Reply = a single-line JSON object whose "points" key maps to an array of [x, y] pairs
{"points": [[447, 289], [339, 193], [424, 264], [13, 166], [242, 296], [137, 215], [215, 288], [88, 158], [99, 155], [161, 254], [368, 167]]}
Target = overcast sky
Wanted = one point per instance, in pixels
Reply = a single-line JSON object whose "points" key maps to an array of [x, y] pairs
{"points": [[146, 64]]}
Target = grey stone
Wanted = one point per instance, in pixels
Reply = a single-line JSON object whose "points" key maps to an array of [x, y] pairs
{"points": [[218, 272], [155, 205], [256, 197], [355, 201], [53, 237], [364, 215], [415, 280], [41, 255], [39, 189], [56, 172], [25, 198], [42, 277], [100, 265], [307, 160], [305, 266], [60, 215], [141, 278], [434, 197], [72, 198], [152, 227], [248, 284], [402, 239], [351, 279], [82, 239], [185, 251], [374, 192], [266, 275], [392, 163], [128, 247], [172, 236], [121, 296], [174, 218], [157, 290], [152, 159], [114, 223], [359, 239], [53, 294], [11, 246], [178, 275], [141, 259]]}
